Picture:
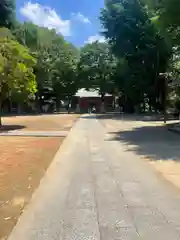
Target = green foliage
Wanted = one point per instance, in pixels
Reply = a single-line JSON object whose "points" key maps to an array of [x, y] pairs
{"points": [[167, 14], [26, 34], [142, 43], [65, 65], [63, 61], [97, 67], [16, 70], [167, 21], [135, 40], [167, 10], [7, 13], [56, 61]]}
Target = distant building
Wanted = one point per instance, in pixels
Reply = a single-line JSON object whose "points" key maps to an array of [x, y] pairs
{"points": [[91, 99]]}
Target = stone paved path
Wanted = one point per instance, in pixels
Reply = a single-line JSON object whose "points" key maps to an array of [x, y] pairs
{"points": [[95, 190]]}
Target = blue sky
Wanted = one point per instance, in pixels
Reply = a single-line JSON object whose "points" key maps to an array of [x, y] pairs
{"points": [[76, 20]]}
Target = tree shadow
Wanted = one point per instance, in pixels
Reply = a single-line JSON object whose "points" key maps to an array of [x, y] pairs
{"points": [[89, 116], [136, 117], [34, 114], [154, 142], [110, 116], [7, 128]]}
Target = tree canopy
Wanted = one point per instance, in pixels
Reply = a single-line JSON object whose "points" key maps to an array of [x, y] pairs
{"points": [[56, 62], [16, 70], [134, 39], [96, 67], [7, 13], [139, 61]]}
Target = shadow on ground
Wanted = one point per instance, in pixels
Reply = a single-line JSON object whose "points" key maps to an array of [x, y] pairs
{"points": [[6, 128], [37, 114], [89, 116], [130, 117], [154, 142]]}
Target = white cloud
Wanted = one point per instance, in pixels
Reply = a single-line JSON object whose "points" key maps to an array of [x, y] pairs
{"points": [[80, 17], [46, 17], [95, 38]]}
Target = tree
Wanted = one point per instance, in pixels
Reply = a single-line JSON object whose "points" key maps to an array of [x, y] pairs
{"points": [[133, 38], [166, 20], [45, 45], [56, 63], [64, 71], [7, 13], [167, 11], [27, 34], [16, 71], [96, 67]]}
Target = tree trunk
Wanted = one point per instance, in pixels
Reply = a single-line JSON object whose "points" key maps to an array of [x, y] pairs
{"points": [[114, 101], [69, 104], [165, 100], [102, 103], [37, 103], [57, 104], [150, 104], [144, 107], [0, 112], [10, 105], [19, 108]]}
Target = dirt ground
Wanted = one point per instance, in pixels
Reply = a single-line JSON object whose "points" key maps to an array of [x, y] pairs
{"points": [[24, 161], [54, 122]]}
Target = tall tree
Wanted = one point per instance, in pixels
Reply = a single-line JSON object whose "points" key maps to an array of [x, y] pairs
{"points": [[7, 13], [133, 38], [40, 40], [64, 71], [16, 71], [96, 67]]}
